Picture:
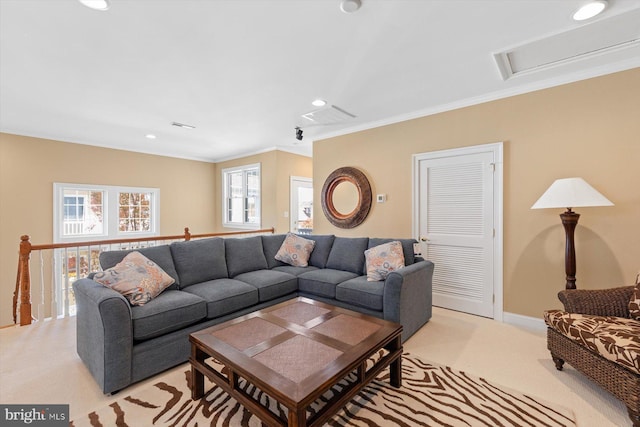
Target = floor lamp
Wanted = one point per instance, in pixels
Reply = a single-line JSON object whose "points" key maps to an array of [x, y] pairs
{"points": [[570, 193]]}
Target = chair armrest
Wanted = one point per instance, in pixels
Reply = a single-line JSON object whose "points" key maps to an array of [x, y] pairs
{"points": [[597, 302]]}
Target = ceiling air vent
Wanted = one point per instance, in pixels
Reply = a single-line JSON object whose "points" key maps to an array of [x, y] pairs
{"points": [[601, 37], [328, 116]]}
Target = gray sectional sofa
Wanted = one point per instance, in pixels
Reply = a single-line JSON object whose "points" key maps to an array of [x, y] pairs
{"points": [[219, 279]]}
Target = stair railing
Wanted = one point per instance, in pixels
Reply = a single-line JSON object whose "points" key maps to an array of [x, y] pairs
{"points": [[82, 267]]}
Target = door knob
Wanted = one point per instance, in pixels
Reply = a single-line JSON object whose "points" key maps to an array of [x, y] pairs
{"points": [[424, 239]]}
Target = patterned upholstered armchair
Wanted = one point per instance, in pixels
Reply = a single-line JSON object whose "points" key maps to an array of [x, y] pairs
{"points": [[598, 333]]}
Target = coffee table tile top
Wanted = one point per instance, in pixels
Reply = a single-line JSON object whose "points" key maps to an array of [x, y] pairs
{"points": [[348, 329], [298, 357], [248, 333], [300, 312]]}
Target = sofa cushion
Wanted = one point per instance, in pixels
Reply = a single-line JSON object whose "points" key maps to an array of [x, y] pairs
{"points": [[323, 281], [161, 255], [347, 254], [170, 311], [383, 259], [614, 338], [271, 284], [136, 277], [634, 303], [321, 250], [296, 271], [199, 260], [361, 292], [244, 254], [224, 296], [295, 250], [271, 245], [407, 247]]}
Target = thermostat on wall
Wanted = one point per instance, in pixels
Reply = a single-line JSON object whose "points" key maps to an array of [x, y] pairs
{"points": [[381, 198]]}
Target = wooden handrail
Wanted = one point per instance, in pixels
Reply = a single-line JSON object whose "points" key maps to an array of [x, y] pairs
{"points": [[23, 278]]}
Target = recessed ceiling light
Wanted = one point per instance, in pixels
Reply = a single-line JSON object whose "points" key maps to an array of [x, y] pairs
{"points": [[589, 10], [96, 4], [150, 136], [350, 6], [319, 102]]}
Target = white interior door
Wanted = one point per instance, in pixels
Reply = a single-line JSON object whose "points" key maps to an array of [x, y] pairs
{"points": [[301, 217], [457, 225]]}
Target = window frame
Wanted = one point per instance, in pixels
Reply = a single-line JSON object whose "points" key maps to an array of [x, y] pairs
{"points": [[110, 216], [244, 169]]}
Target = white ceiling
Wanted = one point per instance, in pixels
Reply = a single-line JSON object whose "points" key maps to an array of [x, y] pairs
{"points": [[244, 71]]}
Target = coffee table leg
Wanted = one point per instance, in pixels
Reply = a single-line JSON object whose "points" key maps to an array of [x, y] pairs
{"points": [[298, 418], [197, 377], [395, 369]]}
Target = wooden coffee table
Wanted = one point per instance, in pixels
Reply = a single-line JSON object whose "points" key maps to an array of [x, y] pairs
{"points": [[295, 352]]}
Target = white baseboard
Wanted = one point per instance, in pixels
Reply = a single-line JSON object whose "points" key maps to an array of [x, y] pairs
{"points": [[528, 322]]}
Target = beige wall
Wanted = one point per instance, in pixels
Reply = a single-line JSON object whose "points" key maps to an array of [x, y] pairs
{"points": [[189, 191], [30, 166], [589, 129], [277, 167]]}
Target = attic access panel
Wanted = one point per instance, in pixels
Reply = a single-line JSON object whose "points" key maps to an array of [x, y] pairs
{"points": [[328, 115]]}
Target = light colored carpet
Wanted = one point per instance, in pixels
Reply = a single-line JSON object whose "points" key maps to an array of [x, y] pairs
{"points": [[39, 365], [431, 395]]}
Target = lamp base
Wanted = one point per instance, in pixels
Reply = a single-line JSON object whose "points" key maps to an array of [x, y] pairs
{"points": [[569, 221]]}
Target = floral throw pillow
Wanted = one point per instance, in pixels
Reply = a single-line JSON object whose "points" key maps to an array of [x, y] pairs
{"points": [[634, 304], [295, 250], [383, 259], [136, 277]]}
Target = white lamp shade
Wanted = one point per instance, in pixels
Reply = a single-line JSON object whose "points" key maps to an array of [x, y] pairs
{"points": [[571, 193]]}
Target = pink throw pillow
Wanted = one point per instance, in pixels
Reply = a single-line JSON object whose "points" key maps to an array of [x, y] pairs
{"points": [[295, 250], [136, 277], [383, 259]]}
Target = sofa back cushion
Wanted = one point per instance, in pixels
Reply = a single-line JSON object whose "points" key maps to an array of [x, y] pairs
{"points": [[347, 254], [270, 245], [244, 255], [321, 250], [407, 247], [199, 260], [634, 304], [161, 255]]}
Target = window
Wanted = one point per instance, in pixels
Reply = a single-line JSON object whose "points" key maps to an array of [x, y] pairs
{"points": [[134, 212], [84, 213], [95, 212], [73, 208], [241, 187]]}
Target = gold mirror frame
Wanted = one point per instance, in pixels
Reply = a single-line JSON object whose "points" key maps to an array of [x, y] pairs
{"points": [[358, 215]]}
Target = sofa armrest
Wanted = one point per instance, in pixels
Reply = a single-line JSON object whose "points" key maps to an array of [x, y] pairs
{"points": [[104, 332], [408, 296], [597, 302]]}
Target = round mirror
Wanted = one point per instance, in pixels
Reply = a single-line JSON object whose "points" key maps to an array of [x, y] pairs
{"points": [[346, 197]]}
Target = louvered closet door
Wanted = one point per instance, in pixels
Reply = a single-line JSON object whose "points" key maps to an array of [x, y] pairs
{"points": [[456, 227]]}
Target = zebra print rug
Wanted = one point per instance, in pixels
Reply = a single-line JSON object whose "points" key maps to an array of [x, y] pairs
{"points": [[431, 395]]}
